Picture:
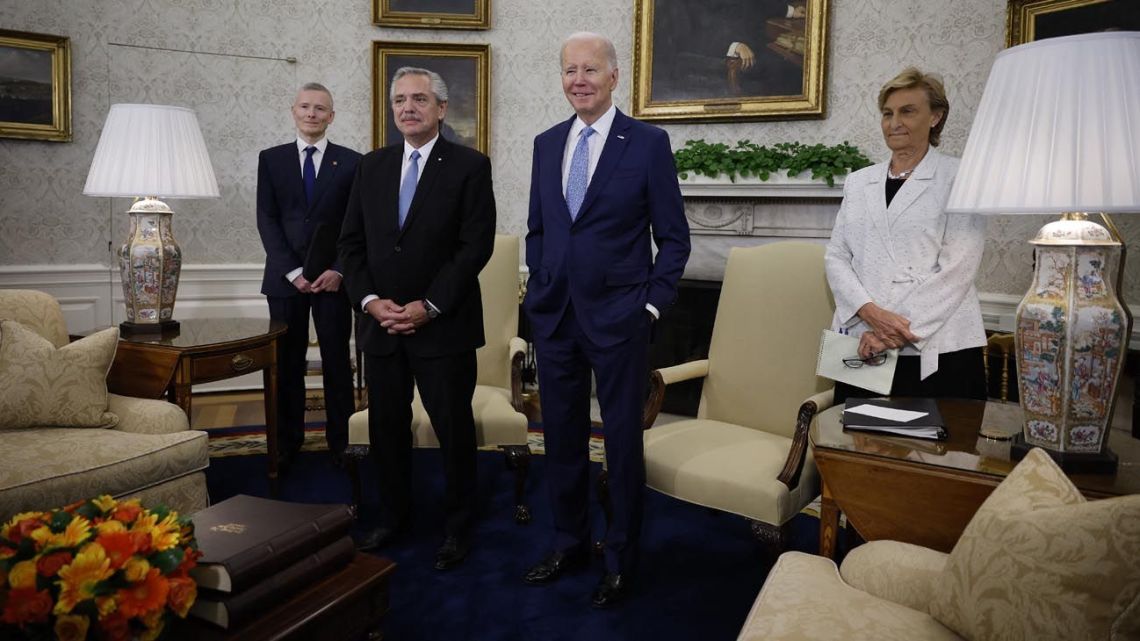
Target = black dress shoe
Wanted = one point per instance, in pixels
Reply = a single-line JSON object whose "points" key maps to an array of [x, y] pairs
{"points": [[378, 537], [611, 590], [553, 567], [451, 553]]}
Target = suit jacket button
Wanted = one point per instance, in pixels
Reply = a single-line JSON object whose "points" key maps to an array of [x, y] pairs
{"points": [[397, 249]]}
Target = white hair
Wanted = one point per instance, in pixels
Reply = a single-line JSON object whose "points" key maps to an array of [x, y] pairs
{"points": [[590, 36], [438, 86]]}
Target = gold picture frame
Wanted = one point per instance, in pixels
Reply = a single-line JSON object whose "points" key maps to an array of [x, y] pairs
{"points": [[1031, 20], [683, 70], [35, 86], [466, 69], [432, 14]]}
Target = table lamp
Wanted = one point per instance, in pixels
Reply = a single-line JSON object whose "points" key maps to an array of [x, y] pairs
{"points": [[1058, 131], [149, 152]]}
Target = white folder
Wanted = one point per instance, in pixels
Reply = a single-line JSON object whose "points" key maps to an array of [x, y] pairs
{"points": [[834, 347]]}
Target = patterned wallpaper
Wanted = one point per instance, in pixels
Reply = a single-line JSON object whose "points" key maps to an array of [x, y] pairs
{"points": [[226, 60]]}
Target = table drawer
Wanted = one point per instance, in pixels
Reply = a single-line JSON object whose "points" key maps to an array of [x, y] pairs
{"points": [[204, 369]]}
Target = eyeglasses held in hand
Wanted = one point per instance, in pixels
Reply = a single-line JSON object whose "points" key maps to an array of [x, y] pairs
{"points": [[873, 359]]}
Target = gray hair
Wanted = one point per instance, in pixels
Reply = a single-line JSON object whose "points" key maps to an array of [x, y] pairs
{"points": [[316, 86], [438, 86], [590, 36]]}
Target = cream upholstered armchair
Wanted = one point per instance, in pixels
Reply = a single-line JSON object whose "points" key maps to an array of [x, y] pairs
{"points": [[747, 450], [63, 438], [497, 403]]}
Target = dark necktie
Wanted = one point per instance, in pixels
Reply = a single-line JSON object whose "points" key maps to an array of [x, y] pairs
{"points": [[309, 174]]}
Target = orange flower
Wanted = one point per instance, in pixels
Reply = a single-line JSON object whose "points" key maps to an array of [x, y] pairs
{"points": [[183, 592], [23, 575], [26, 605], [120, 546], [48, 564], [127, 511], [79, 579], [140, 598], [21, 525], [71, 627]]}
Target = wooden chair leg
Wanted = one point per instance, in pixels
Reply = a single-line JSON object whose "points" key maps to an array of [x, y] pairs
{"points": [[607, 509], [774, 538], [517, 458]]}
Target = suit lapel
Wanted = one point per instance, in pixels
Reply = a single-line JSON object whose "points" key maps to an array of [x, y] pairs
{"points": [[611, 153], [913, 187], [432, 168]]}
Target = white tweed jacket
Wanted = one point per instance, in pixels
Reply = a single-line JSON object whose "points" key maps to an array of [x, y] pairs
{"points": [[911, 258]]}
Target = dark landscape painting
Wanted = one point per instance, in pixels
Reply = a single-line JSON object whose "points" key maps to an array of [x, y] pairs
{"points": [[25, 86]]}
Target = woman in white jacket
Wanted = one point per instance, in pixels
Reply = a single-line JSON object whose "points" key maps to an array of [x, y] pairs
{"points": [[902, 269]]}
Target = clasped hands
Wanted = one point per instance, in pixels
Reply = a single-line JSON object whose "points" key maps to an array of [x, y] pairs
{"points": [[328, 281], [398, 319], [888, 330]]}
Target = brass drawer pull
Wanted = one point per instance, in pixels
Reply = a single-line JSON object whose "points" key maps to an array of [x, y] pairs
{"points": [[241, 362]]}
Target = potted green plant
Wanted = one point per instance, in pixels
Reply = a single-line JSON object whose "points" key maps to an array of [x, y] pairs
{"points": [[750, 160]]}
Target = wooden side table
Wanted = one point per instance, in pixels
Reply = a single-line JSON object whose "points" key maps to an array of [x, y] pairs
{"points": [[201, 351], [925, 492], [346, 605]]}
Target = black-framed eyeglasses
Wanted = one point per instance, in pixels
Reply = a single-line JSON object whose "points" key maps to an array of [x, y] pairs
{"points": [[873, 359]]}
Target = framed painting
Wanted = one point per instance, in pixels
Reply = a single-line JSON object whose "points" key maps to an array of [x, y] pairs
{"points": [[729, 60], [35, 86], [432, 14], [465, 69], [1030, 20]]}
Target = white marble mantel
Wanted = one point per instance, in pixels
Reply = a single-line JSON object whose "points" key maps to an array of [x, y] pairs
{"points": [[724, 214]]}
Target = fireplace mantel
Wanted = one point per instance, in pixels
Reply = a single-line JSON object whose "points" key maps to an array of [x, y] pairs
{"points": [[778, 186]]}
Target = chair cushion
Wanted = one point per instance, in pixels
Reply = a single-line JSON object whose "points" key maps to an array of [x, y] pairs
{"points": [[804, 599], [1038, 561], [45, 386], [727, 467], [496, 421], [900, 572], [59, 466]]}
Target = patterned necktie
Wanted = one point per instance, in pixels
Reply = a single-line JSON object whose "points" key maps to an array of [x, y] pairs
{"points": [[309, 174], [408, 187], [577, 181]]}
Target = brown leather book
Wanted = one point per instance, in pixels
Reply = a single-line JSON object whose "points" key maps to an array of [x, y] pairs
{"points": [[231, 610], [246, 538]]}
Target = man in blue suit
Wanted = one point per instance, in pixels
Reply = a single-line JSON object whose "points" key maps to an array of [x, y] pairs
{"points": [[303, 186], [603, 186]]}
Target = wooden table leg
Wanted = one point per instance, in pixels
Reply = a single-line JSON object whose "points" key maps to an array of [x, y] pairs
{"points": [[270, 383], [828, 523]]}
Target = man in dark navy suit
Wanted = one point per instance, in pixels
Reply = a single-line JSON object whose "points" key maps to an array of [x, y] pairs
{"points": [[303, 186], [603, 190], [419, 228]]}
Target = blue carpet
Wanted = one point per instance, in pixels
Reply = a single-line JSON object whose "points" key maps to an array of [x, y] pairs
{"points": [[700, 569]]}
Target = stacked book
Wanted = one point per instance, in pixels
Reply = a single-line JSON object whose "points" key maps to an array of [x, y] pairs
{"points": [[257, 552], [909, 417]]}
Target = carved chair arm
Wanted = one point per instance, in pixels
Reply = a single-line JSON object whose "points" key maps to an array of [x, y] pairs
{"points": [[659, 378], [794, 465], [516, 352]]}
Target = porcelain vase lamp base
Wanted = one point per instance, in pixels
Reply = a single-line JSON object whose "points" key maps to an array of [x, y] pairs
{"points": [[150, 264], [1071, 336]]}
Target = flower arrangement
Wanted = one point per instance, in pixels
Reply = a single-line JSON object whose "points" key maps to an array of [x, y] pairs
{"points": [[98, 569]]}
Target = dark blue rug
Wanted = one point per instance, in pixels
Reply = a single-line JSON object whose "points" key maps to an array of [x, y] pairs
{"points": [[700, 569]]}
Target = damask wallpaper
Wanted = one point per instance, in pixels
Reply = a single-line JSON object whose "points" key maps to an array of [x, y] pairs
{"points": [[228, 60]]}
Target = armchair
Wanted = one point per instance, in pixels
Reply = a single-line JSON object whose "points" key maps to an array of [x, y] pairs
{"points": [[497, 403], [747, 451]]}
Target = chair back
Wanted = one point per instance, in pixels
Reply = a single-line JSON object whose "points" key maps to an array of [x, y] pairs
{"points": [[36, 310], [774, 303], [499, 284]]}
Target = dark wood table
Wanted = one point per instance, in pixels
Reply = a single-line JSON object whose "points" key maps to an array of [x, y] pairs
{"points": [[201, 351], [349, 605], [925, 492]]}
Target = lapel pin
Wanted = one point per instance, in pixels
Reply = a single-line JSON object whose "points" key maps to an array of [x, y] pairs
{"points": [[334, 163], [621, 137]]}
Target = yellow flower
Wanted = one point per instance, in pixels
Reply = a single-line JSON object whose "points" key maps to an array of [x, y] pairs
{"points": [[76, 532], [23, 575], [6, 530], [110, 527], [79, 579], [71, 627], [105, 503], [166, 534], [105, 605], [41, 536], [136, 569]]}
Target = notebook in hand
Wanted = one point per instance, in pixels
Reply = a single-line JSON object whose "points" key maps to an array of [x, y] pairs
{"points": [[836, 349], [322, 251], [909, 417]]}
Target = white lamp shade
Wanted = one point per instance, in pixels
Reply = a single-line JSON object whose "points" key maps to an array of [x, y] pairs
{"points": [[1058, 130], [151, 150]]}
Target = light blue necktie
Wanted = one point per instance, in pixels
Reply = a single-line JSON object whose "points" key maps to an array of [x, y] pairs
{"points": [[309, 174], [408, 187], [577, 181]]}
